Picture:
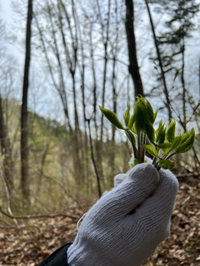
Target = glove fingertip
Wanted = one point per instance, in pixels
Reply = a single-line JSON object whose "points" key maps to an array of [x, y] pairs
{"points": [[168, 177], [145, 172]]}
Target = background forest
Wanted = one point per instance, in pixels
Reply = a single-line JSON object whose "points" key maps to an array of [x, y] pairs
{"points": [[60, 60]]}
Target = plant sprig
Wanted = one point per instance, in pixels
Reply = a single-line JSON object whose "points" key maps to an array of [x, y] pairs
{"points": [[160, 144]]}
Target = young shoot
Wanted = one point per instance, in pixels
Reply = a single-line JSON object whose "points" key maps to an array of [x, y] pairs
{"points": [[158, 144]]}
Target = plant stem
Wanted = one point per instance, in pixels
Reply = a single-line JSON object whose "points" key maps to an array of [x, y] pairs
{"points": [[139, 157], [132, 143], [143, 140], [157, 166], [170, 155], [154, 161]]}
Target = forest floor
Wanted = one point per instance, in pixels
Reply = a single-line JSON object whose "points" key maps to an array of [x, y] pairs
{"points": [[34, 239]]}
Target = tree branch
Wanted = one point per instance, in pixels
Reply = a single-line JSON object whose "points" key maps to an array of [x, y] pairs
{"points": [[38, 216]]}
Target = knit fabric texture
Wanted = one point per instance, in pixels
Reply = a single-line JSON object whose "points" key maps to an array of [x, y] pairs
{"points": [[125, 225]]}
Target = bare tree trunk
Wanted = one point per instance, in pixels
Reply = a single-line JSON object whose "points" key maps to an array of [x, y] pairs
{"points": [[114, 93], [78, 165], [93, 160], [73, 72], [6, 152], [112, 146], [199, 77], [42, 164], [115, 50], [25, 184], [114, 96], [184, 89], [167, 103], [133, 63], [85, 151], [94, 82], [98, 144], [105, 39]]}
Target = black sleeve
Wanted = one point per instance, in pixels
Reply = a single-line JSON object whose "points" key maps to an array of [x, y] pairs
{"points": [[57, 258]]}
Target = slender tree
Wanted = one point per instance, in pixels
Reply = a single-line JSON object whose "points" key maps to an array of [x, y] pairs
{"points": [[114, 53], [132, 52], [94, 80], [25, 183], [165, 90], [82, 67], [6, 151], [105, 40]]}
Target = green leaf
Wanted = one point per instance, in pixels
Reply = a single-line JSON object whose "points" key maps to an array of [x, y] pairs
{"points": [[130, 136], [140, 113], [131, 121], [137, 161], [166, 164], [133, 129], [164, 146], [151, 150], [149, 130], [177, 141], [167, 151], [144, 117], [187, 144], [149, 111], [155, 114], [177, 73], [160, 132], [184, 137], [155, 68], [111, 117], [174, 145], [127, 115], [170, 134]]}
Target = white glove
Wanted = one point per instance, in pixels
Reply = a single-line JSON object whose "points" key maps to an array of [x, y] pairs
{"points": [[124, 227]]}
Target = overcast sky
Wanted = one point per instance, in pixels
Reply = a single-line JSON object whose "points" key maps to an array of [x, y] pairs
{"points": [[5, 10]]}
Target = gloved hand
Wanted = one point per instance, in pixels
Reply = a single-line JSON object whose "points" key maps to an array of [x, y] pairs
{"points": [[125, 226]]}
